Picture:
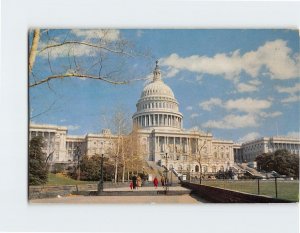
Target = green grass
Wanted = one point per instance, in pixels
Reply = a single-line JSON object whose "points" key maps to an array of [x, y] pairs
{"points": [[59, 179], [288, 190]]}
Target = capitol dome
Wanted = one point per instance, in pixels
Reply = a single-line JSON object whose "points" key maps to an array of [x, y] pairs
{"points": [[157, 106], [157, 88]]}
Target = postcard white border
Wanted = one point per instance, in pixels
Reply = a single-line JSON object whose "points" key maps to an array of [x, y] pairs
{"points": [[17, 215]]}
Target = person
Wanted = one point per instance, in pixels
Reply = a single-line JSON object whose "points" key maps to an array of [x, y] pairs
{"points": [[131, 185], [155, 182], [134, 181], [162, 180], [139, 181]]}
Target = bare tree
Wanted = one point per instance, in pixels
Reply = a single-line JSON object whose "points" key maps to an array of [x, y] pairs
{"points": [[101, 55], [98, 47], [200, 150]]}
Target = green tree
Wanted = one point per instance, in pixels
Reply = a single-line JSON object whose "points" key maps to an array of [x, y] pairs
{"points": [[281, 161], [90, 168], [37, 162]]}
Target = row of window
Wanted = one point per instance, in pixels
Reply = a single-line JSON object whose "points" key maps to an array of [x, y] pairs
{"points": [[157, 105]]}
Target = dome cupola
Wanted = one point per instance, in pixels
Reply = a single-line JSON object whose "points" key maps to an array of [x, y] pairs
{"points": [[157, 106]]}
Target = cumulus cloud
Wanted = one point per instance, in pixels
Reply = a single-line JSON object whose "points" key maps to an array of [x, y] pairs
{"points": [[103, 34], [291, 99], [72, 127], [194, 115], [271, 114], [245, 87], [249, 137], [275, 56], [209, 104], [189, 108], [101, 37], [292, 91], [233, 122], [247, 105], [252, 112]]}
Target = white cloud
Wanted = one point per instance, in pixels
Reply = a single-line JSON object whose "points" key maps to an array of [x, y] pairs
{"points": [[233, 122], [103, 34], [194, 115], [72, 127], [244, 87], [271, 114], [249, 137], [248, 105], [189, 108], [171, 72], [292, 91], [254, 109], [275, 56], [78, 50], [209, 104], [291, 99]]}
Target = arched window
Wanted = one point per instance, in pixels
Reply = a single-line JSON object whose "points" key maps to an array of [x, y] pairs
{"points": [[214, 169], [216, 155], [196, 168]]}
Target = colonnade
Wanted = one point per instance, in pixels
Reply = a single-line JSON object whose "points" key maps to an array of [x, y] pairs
{"points": [[149, 120]]}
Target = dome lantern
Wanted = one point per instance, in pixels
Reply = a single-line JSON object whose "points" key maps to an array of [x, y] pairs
{"points": [[156, 73]]}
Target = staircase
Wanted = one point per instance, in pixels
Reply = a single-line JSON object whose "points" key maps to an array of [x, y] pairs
{"points": [[251, 171], [154, 169]]}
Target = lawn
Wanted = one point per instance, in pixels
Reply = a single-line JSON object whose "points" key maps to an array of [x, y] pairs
{"points": [[288, 190], [60, 179]]}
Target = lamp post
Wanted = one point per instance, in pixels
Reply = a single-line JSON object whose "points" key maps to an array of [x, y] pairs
{"points": [[100, 185], [166, 171], [77, 154]]}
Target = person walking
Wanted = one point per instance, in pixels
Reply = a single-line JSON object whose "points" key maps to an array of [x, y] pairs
{"points": [[139, 181], [155, 182], [134, 181], [162, 180]]}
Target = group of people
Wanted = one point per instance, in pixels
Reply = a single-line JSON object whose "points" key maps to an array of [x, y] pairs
{"points": [[136, 182]]}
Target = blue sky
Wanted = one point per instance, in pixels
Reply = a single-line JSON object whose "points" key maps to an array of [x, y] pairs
{"points": [[241, 84]]}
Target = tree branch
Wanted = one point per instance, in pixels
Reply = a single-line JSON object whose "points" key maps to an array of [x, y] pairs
{"points": [[75, 75], [86, 44]]}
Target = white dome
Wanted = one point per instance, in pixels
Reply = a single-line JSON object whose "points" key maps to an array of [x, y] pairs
{"points": [[157, 88], [157, 106]]}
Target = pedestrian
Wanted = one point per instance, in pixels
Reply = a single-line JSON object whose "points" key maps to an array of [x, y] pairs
{"points": [[131, 185], [134, 182], [139, 181], [155, 182], [162, 180]]}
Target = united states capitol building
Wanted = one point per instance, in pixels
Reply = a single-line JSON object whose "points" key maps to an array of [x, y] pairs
{"points": [[160, 126]]}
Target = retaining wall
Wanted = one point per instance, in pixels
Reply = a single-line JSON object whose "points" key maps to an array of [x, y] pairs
{"points": [[219, 195]]}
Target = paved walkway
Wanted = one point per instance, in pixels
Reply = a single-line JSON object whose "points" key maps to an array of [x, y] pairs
{"points": [[180, 199], [147, 188]]}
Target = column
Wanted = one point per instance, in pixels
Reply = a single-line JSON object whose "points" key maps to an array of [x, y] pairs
{"points": [[174, 144], [158, 118]]}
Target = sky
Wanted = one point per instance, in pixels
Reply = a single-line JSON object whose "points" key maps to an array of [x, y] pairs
{"points": [[239, 84]]}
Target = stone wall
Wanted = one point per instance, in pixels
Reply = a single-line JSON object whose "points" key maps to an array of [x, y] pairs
{"points": [[219, 195]]}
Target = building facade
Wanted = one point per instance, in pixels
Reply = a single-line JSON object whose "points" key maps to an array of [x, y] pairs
{"points": [[160, 124], [248, 151]]}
